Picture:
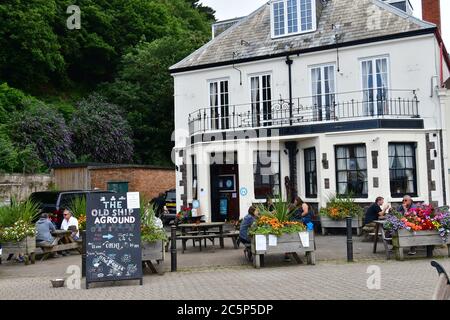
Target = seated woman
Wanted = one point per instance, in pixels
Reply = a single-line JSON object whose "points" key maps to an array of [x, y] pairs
{"points": [[301, 212], [247, 222]]}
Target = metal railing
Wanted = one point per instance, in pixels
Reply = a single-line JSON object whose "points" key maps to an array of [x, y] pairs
{"points": [[368, 104]]}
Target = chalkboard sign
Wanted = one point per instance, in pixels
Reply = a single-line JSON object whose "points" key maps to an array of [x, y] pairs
{"points": [[113, 237]]}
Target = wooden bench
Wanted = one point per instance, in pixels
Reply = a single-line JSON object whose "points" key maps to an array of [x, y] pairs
{"points": [[198, 237], [47, 249], [234, 235], [442, 290]]}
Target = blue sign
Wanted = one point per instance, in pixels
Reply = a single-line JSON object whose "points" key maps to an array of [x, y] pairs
{"points": [[223, 208], [243, 191], [195, 204]]}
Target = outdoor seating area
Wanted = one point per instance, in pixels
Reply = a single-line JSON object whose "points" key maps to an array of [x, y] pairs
{"points": [[63, 242]]}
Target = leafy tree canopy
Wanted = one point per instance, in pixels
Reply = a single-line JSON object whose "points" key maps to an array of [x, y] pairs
{"points": [[144, 88], [44, 130], [100, 132]]}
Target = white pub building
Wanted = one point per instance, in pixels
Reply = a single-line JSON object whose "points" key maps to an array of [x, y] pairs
{"points": [[314, 98]]}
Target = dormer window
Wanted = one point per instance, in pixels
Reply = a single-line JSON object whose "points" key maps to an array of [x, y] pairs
{"points": [[289, 17]]}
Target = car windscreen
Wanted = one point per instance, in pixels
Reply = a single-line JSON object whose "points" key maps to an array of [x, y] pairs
{"points": [[171, 196], [44, 197], [67, 199]]}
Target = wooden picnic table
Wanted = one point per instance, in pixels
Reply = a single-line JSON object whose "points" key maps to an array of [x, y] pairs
{"points": [[64, 242], [202, 231], [378, 223]]}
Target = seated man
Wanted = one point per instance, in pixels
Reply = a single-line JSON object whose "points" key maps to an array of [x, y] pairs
{"points": [[44, 229], [70, 220], [375, 212], [406, 205]]}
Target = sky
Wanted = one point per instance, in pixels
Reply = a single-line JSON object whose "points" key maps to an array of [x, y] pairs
{"points": [[227, 9]]}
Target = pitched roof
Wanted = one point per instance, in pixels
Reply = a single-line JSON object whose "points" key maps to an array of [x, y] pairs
{"points": [[251, 37]]}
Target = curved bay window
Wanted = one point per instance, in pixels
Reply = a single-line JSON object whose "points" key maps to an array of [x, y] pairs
{"points": [[351, 170], [402, 169]]}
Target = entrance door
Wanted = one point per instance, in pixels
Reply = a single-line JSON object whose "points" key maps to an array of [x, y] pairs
{"points": [[224, 192], [261, 96]]}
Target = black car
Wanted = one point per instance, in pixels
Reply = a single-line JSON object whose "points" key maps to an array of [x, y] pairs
{"points": [[53, 201], [170, 208]]}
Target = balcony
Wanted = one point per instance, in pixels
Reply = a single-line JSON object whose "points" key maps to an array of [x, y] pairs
{"points": [[320, 109]]}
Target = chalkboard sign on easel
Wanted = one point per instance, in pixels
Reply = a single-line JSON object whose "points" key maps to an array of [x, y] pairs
{"points": [[113, 237]]}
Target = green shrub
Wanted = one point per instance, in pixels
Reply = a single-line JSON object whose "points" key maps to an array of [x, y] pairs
{"points": [[340, 207], [25, 211]]}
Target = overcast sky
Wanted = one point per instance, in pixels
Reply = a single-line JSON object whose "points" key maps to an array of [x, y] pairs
{"points": [[227, 9]]}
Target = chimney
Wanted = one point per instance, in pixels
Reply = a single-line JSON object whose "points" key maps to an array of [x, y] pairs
{"points": [[431, 12]]}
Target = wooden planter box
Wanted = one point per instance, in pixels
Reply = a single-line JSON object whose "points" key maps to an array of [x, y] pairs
{"points": [[406, 239], [326, 222], [27, 247], [287, 243], [153, 251]]}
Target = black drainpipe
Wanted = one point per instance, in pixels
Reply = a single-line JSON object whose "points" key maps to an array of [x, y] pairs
{"points": [[289, 62]]}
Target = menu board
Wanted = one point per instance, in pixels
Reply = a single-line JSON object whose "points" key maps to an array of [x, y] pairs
{"points": [[113, 237]]}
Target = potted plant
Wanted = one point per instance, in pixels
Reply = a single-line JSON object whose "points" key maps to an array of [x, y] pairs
{"points": [[17, 231], [337, 210], [185, 216], [78, 207], [153, 235], [420, 226], [273, 232]]}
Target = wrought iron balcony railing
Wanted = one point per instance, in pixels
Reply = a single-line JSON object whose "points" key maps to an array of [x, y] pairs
{"points": [[368, 104]]}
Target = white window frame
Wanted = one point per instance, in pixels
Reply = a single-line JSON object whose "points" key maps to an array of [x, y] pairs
{"points": [[260, 76], [209, 82], [373, 59], [322, 66], [299, 19]]}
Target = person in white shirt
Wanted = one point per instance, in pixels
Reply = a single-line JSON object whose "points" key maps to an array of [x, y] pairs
{"points": [[68, 221]]}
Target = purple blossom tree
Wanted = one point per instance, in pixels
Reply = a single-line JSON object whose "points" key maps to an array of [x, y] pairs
{"points": [[100, 132], [42, 130]]}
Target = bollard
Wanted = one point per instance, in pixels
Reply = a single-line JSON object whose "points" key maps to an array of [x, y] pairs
{"points": [[349, 240], [173, 248]]}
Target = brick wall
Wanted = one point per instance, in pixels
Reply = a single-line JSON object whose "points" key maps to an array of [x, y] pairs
{"points": [[147, 181], [431, 11]]}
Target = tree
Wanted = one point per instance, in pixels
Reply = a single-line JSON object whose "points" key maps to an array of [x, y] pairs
{"points": [[8, 153], [39, 53], [100, 132], [43, 130], [29, 49], [144, 88], [207, 11], [11, 100]]}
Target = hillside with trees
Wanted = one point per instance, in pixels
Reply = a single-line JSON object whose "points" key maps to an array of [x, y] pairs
{"points": [[102, 93]]}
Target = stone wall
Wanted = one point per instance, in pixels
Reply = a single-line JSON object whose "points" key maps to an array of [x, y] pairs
{"points": [[20, 186], [147, 181]]}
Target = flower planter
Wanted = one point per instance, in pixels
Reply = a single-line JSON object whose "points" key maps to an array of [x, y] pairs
{"points": [[290, 243], [153, 251], [406, 239], [27, 247], [326, 222]]}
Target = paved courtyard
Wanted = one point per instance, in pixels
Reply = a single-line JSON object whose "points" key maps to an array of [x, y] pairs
{"points": [[224, 274]]}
